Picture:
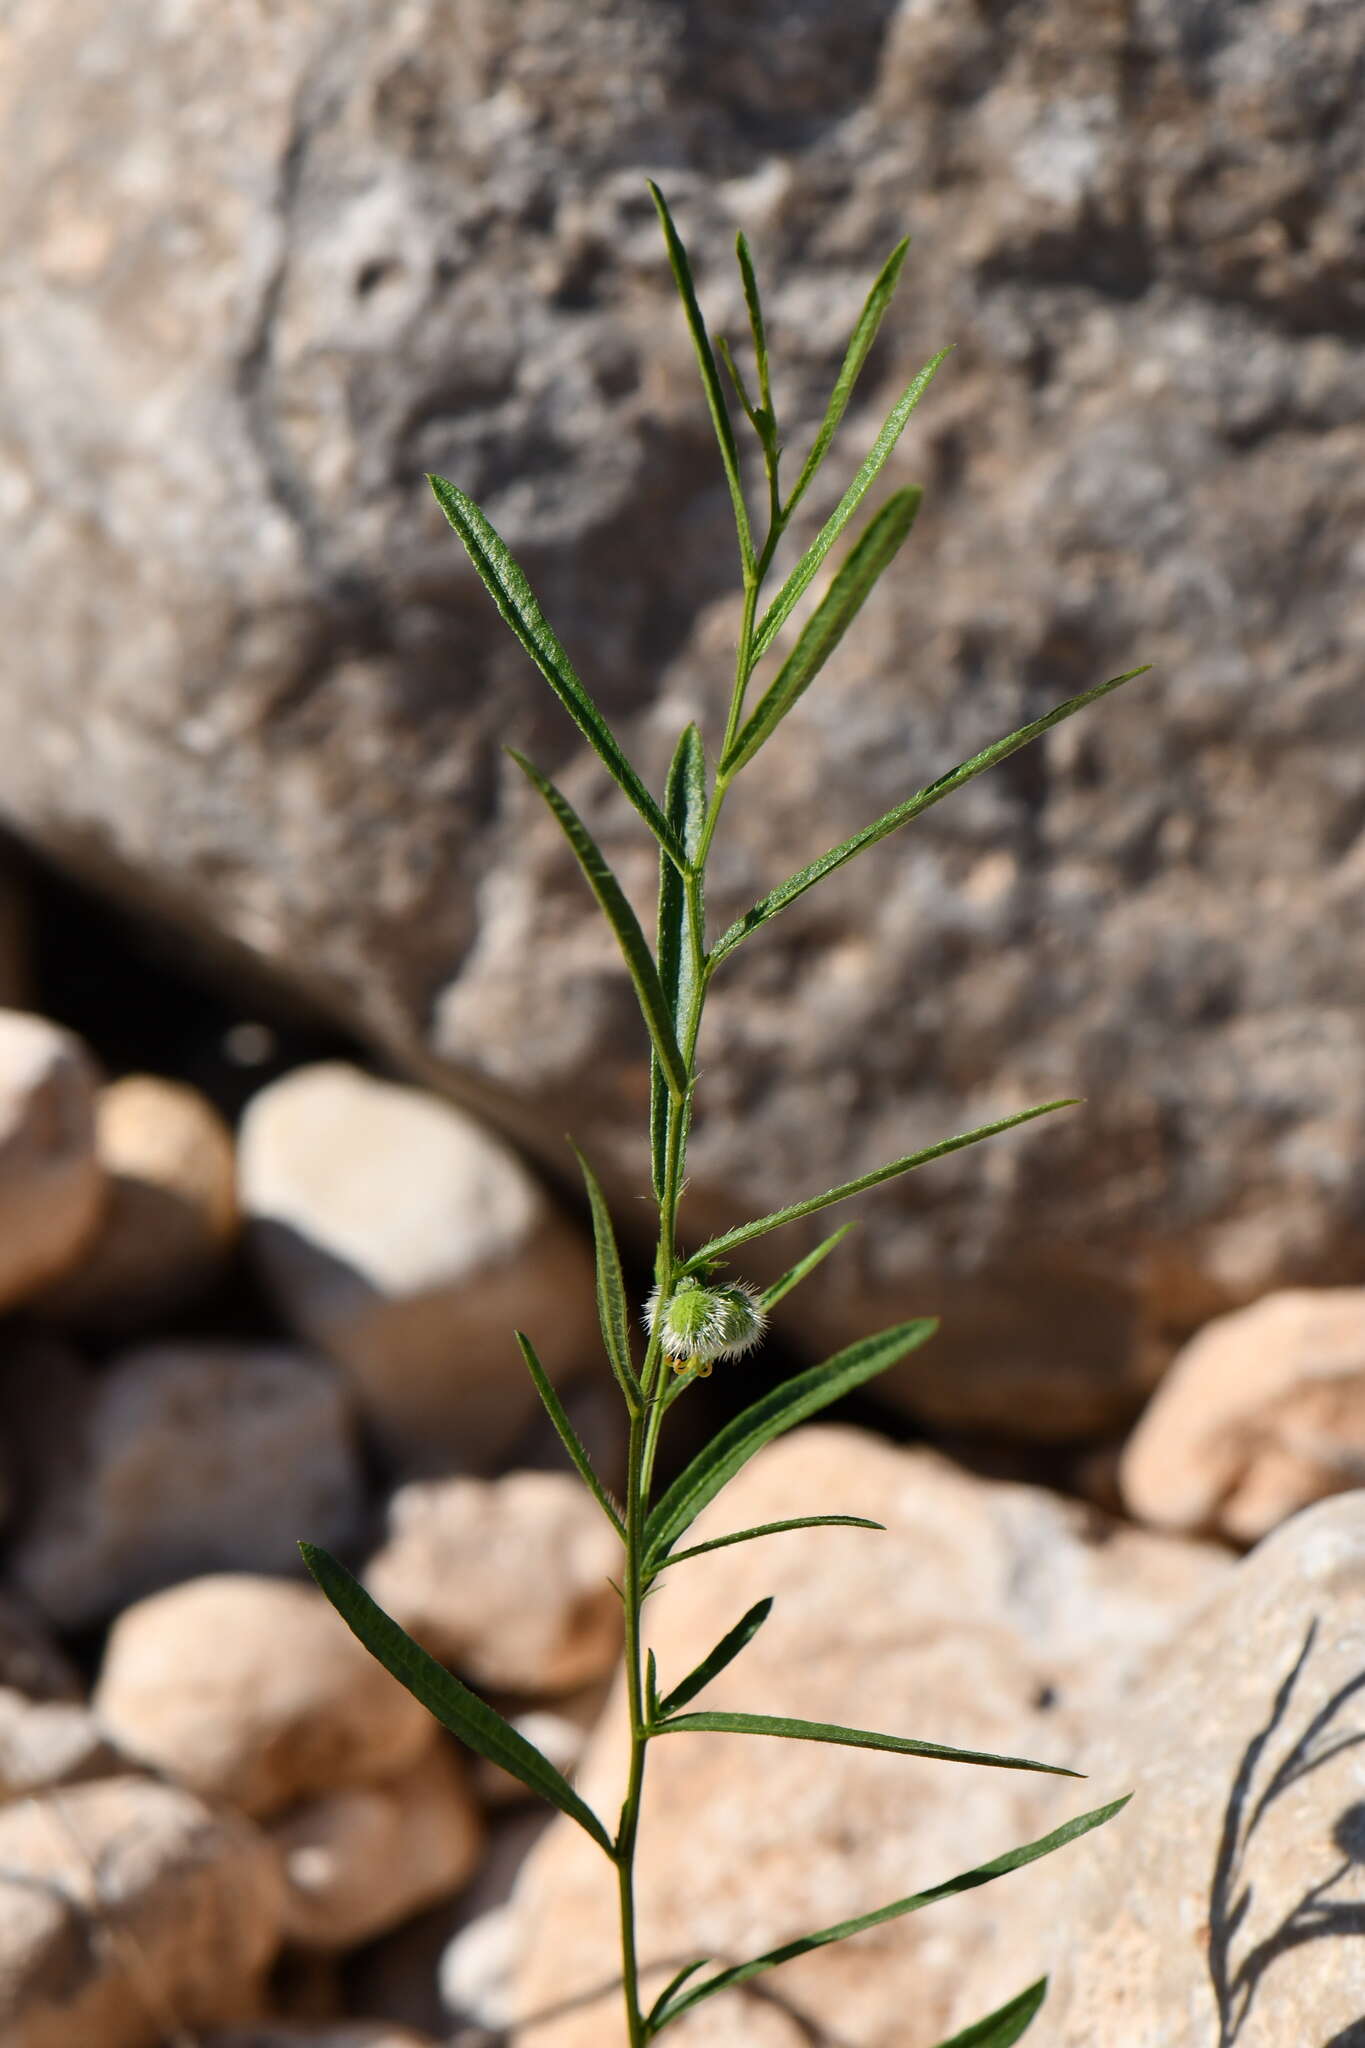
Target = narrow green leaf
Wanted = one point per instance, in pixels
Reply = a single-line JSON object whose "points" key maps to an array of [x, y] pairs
{"points": [[613, 1309], [848, 1738], [710, 376], [775, 1529], [741, 389], [923, 800], [860, 343], [743, 1232], [794, 1275], [778, 1410], [568, 1435], [725, 1652], [1004, 2026], [873, 552], [983, 1873], [514, 598], [651, 1685], [624, 923], [452, 1704], [757, 326], [685, 810], [656, 2018], [801, 576]]}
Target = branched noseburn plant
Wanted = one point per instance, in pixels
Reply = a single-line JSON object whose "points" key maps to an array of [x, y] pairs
{"points": [[697, 1314]]}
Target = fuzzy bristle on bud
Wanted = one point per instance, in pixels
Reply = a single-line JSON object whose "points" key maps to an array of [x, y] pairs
{"points": [[698, 1324]]}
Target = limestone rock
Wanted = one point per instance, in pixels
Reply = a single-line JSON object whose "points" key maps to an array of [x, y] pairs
{"points": [[187, 1458], [1262, 1413], [128, 1909], [360, 1861], [171, 1212], [252, 1691], [1232, 1905], [408, 1243], [988, 1616], [44, 1743], [51, 1182], [504, 1579], [418, 237]]}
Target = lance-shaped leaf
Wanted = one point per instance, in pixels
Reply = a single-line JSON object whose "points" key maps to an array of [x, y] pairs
{"points": [[860, 343], [982, 1873], [794, 1275], [759, 332], [624, 923], [514, 598], [913, 806], [874, 551], [1003, 2027], [873, 463], [657, 2017], [725, 1652], [779, 1410], [613, 1309], [774, 1529], [849, 1738], [568, 1435], [743, 1232], [452, 1704], [710, 376], [685, 810]]}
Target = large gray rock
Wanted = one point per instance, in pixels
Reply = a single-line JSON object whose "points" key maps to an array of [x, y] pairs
{"points": [[986, 1617], [255, 686]]}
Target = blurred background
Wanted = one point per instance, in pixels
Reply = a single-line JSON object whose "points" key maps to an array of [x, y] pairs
{"points": [[303, 991]]}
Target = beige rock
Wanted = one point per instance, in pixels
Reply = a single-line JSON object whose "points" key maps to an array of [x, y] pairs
{"points": [[408, 1243], [171, 1212], [987, 1616], [504, 1579], [1242, 1863], [1263, 1412], [129, 1911], [51, 1742], [254, 1692], [187, 1458], [52, 1186], [360, 1861]]}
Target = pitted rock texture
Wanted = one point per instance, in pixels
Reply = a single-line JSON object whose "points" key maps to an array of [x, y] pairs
{"points": [[285, 265]]}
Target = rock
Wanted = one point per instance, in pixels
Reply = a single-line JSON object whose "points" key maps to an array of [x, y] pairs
{"points": [[44, 1743], [361, 1861], [418, 237], [1262, 1413], [506, 1579], [1229, 1905], [253, 1692], [993, 1617], [171, 1212], [128, 1909], [51, 1183], [187, 1458], [30, 1662], [408, 1243]]}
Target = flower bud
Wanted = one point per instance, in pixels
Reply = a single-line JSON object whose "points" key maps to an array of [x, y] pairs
{"points": [[699, 1323]]}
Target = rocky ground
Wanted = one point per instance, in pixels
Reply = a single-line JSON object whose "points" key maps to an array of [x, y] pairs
{"points": [[223, 1824]]}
